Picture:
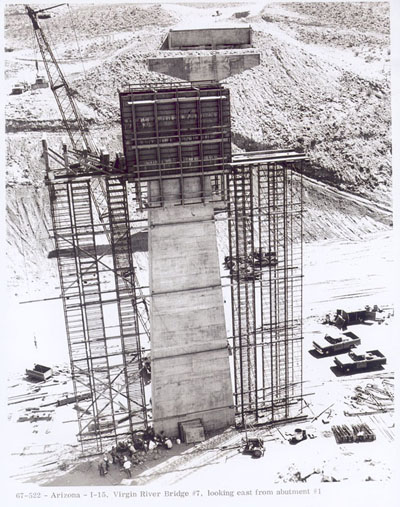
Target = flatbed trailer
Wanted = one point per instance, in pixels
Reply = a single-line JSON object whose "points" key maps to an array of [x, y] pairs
{"points": [[370, 315], [356, 361], [344, 342]]}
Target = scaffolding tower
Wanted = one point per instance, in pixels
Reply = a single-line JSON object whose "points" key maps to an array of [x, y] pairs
{"points": [[106, 331], [265, 261], [100, 300]]}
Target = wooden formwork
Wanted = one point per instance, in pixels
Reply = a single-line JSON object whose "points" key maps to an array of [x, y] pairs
{"points": [[177, 131]]}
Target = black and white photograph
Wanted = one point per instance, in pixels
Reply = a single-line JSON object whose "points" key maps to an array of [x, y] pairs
{"points": [[199, 271]]}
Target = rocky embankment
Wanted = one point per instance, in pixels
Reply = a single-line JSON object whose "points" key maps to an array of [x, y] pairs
{"points": [[323, 86]]}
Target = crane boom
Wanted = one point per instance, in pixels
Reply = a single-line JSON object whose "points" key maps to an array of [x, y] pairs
{"points": [[71, 117]]}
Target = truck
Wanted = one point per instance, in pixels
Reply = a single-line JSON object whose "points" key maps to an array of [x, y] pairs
{"points": [[40, 82], [333, 344], [360, 361], [19, 88]]}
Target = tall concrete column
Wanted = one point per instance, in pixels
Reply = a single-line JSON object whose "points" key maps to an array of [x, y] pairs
{"points": [[190, 365]]}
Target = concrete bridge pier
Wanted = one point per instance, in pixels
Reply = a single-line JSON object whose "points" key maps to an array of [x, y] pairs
{"points": [[190, 364]]}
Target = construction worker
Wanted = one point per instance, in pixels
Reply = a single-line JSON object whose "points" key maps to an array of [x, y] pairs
{"points": [[127, 467], [101, 469], [106, 462], [131, 448], [113, 455]]}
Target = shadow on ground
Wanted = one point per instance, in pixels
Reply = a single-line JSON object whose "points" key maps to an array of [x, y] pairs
{"points": [[315, 354], [339, 373]]}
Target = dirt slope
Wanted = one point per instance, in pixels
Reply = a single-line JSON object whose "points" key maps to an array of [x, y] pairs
{"points": [[322, 86]]}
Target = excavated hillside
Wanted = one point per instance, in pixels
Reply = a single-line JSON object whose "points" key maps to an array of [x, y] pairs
{"points": [[323, 86]]}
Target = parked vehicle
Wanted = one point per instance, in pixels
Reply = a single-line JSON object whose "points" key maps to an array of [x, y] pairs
{"points": [[344, 342], [19, 88], [356, 361]]}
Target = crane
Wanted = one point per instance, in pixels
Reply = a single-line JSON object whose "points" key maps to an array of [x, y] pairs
{"points": [[78, 133], [63, 94]]}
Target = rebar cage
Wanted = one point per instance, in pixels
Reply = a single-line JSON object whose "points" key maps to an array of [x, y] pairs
{"points": [[265, 261]]}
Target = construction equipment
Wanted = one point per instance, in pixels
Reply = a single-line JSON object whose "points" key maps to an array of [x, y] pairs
{"points": [[19, 88], [40, 372], [73, 122], [80, 137], [263, 259], [40, 82], [341, 343], [368, 316], [253, 447], [299, 436], [191, 431], [250, 267], [355, 362]]}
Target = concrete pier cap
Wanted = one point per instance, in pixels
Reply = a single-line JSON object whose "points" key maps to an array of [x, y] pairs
{"points": [[207, 68], [204, 68]]}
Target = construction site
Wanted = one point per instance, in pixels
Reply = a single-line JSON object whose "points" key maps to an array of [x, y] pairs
{"points": [[199, 247]]}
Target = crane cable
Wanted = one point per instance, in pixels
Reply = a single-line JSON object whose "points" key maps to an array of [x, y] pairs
{"points": [[35, 50], [92, 144], [76, 39], [34, 42], [50, 37]]}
